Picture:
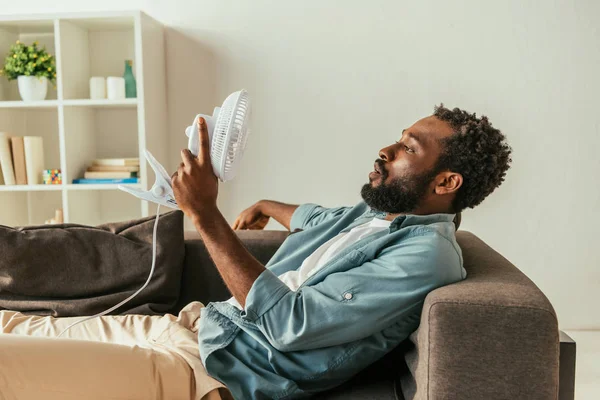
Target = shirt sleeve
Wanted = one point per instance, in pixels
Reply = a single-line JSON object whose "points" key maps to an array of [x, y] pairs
{"points": [[351, 305], [309, 214]]}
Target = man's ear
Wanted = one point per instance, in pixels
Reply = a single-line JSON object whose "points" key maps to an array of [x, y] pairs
{"points": [[448, 182]]}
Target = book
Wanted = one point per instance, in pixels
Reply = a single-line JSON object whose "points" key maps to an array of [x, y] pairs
{"points": [[8, 173], [117, 161], [119, 168], [109, 175], [34, 158], [18, 156], [113, 181]]}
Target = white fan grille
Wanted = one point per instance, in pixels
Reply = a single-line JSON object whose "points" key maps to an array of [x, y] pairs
{"points": [[230, 135]]}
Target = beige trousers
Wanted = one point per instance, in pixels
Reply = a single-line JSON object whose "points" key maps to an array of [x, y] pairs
{"points": [[125, 357]]}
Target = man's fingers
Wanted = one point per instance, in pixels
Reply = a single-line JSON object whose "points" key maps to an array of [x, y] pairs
{"points": [[240, 224], [187, 157], [204, 154], [175, 174]]}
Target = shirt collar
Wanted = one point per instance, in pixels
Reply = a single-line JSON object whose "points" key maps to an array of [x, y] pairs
{"points": [[403, 221]]}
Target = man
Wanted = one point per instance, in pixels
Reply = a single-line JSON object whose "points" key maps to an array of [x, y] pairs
{"points": [[349, 285], [344, 289]]}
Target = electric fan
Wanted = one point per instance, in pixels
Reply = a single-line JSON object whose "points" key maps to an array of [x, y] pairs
{"points": [[227, 133]]}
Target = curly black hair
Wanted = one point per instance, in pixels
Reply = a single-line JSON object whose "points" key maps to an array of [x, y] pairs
{"points": [[477, 151]]}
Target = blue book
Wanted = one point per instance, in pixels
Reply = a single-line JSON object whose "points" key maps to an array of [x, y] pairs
{"points": [[112, 181]]}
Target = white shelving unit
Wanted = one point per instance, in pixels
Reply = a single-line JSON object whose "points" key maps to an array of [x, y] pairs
{"points": [[76, 129]]}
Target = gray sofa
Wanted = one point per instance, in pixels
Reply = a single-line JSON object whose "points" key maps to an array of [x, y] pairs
{"points": [[493, 336]]}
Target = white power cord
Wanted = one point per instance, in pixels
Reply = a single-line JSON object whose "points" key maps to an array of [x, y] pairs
{"points": [[136, 293]]}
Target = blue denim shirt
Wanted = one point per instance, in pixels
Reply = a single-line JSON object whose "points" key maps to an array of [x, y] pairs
{"points": [[359, 306]]}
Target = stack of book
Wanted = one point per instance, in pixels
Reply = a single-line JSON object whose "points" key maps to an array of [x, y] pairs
{"points": [[21, 159], [111, 170]]}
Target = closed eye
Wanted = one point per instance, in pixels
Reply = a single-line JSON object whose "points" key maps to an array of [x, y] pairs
{"points": [[406, 148]]}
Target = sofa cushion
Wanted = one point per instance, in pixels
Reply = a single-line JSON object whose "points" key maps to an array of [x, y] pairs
{"points": [[69, 270]]}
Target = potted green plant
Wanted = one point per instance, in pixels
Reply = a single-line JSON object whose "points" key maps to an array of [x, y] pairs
{"points": [[32, 67]]}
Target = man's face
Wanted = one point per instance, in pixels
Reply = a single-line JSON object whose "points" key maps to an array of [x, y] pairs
{"points": [[405, 170]]}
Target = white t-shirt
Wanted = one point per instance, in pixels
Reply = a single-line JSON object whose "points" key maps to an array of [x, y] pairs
{"points": [[316, 261]]}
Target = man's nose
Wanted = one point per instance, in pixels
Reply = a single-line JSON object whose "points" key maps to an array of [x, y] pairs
{"points": [[386, 154]]}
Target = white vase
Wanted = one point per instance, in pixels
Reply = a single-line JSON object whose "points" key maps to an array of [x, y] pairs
{"points": [[32, 88]]}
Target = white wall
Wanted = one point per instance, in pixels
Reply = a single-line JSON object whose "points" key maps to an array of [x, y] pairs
{"points": [[333, 82]]}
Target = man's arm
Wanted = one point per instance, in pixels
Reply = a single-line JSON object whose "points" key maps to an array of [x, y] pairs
{"points": [[257, 215], [236, 265], [281, 212]]}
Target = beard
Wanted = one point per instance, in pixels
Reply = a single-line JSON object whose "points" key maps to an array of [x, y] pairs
{"points": [[402, 195]]}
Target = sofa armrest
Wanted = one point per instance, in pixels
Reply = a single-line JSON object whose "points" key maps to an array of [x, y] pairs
{"points": [[492, 336], [568, 350]]}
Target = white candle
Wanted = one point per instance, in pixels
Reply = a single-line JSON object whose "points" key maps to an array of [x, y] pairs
{"points": [[115, 87], [97, 87]]}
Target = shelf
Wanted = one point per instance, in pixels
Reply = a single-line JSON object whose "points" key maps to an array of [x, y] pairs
{"points": [[71, 186], [50, 104], [76, 129], [100, 186], [126, 103], [44, 104], [29, 188]]}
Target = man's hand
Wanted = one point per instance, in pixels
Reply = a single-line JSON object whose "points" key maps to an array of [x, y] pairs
{"points": [[252, 218], [194, 184], [196, 188]]}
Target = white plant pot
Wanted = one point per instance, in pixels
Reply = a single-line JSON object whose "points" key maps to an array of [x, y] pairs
{"points": [[32, 88]]}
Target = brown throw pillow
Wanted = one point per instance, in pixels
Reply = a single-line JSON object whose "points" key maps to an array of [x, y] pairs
{"points": [[72, 270]]}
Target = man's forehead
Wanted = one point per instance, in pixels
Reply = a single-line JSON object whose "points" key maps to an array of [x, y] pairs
{"points": [[430, 127]]}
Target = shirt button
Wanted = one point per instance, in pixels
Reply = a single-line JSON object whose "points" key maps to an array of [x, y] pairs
{"points": [[348, 296]]}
